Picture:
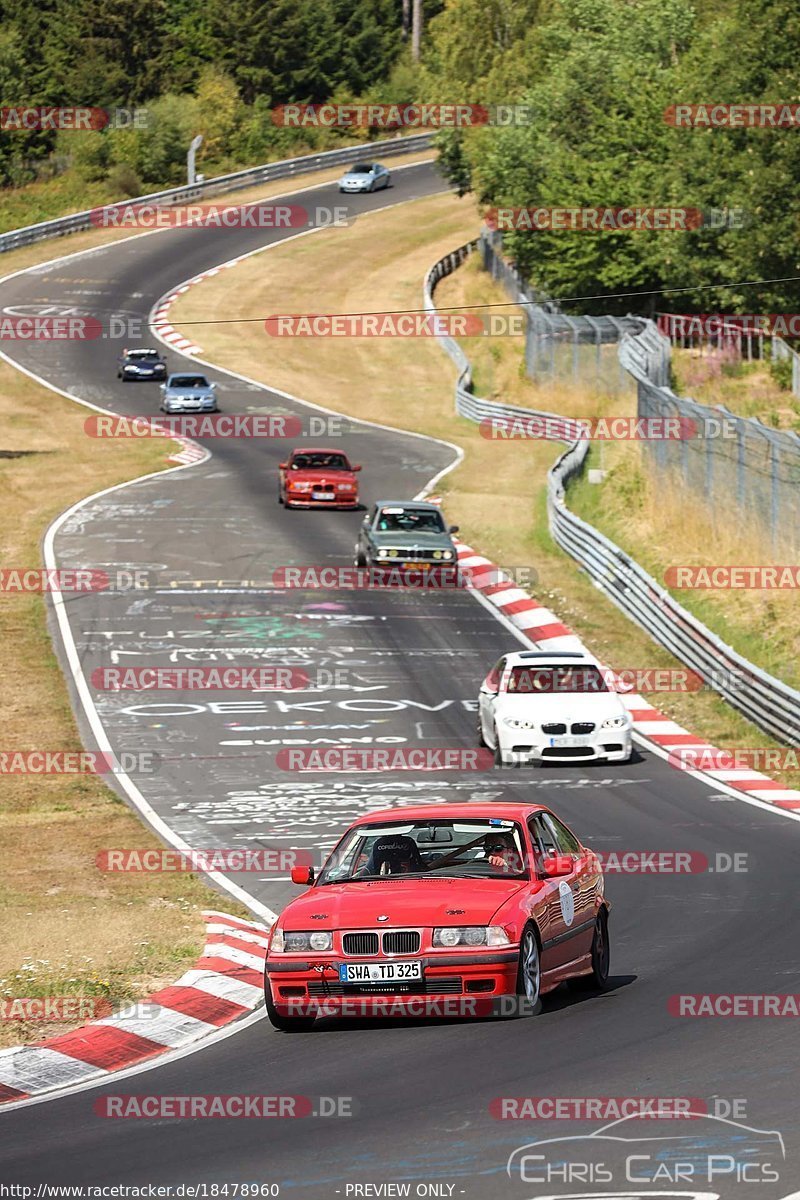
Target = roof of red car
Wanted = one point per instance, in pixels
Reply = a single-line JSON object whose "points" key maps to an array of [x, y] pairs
{"points": [[511, 811], [317, 450]]}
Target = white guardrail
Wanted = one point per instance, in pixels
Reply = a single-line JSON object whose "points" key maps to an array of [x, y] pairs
{"points": [[283, 169], [766, 701]]}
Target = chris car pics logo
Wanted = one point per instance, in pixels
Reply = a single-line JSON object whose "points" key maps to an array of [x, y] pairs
{"points": [[635, 1155]]}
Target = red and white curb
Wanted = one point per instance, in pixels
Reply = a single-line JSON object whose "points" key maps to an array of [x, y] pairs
{"points": [[225, 984], [189, 453], [161, 322], [543, 629]]}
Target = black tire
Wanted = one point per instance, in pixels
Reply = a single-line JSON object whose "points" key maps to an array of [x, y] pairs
{"points": [[361, 558], [601, 959], [280, 497], [279, 1021], [497, 752], [481, 738], [528, 1000]]}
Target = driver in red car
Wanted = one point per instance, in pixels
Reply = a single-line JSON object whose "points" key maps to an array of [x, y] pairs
{"points": [[501, 852]]}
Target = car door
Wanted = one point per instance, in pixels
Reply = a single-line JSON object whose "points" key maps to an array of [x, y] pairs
{"points": [[364, 532], [562, 935], [584, 882], [486, 698]]}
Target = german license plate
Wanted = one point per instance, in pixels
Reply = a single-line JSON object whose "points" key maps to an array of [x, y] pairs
{"points": [[570, 741], [323, 495], [388, 972]]}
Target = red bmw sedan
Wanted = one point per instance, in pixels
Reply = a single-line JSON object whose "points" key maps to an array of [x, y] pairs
{"points": [[443, 910]]}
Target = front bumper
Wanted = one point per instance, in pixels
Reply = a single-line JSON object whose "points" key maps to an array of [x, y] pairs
{"points": [[354, 187], [304, 500], [188, 406], [453, 985], [531, 746]]}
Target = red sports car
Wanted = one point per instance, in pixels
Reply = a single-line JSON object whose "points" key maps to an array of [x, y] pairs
{"points": [[313, 478], [448, 910]]}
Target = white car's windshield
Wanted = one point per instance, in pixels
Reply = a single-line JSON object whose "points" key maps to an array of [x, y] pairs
{"points": [[469, 848], [555, 679], [409, 520], [188, 381]]}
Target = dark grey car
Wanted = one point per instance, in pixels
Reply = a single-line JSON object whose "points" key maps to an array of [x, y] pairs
{"points": [[405, 534], [141, 363]]}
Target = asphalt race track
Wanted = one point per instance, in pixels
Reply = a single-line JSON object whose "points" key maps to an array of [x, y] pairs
{"points": [[409, 668]]}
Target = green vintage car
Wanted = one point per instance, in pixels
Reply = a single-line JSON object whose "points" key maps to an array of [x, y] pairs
{"points": [[405, 534]]}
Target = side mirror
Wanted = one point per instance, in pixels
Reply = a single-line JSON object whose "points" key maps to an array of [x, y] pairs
{"points": [[555, 866], [356, 467], [303, 875], [453, 529], [283, 466]]}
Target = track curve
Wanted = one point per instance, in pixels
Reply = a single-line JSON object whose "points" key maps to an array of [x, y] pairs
{"points": [[421, 1091]]}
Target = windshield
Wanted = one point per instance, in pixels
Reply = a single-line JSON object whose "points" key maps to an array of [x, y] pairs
{"points": [[476, 848], [409, 520], [319, 462], [360, 170], [142, 354], [193, 381], [556, 679]]}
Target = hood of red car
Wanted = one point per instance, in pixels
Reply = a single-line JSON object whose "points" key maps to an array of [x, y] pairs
{"points": [[328, 476], [419, 902]]}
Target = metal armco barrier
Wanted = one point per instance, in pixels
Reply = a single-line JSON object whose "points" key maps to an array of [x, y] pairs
{"points": [[282, 169], [766, 701]]}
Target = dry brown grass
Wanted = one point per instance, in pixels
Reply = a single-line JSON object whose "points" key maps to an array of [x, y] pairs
{"points": [[497, 494], [748, 389]]}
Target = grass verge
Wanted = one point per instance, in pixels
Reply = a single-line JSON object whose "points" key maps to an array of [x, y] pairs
{"points": [[497, 494]]}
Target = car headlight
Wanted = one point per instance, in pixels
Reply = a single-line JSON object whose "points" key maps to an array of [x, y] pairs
{"points": [[346, 487], [470, 935], [447, 554], [284, 942], [438, 554], [515, 723], [615, 723], [297, 485]]}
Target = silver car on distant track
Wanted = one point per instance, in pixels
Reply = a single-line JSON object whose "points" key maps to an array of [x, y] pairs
{"points": [[186, 391], [365, 177]]}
